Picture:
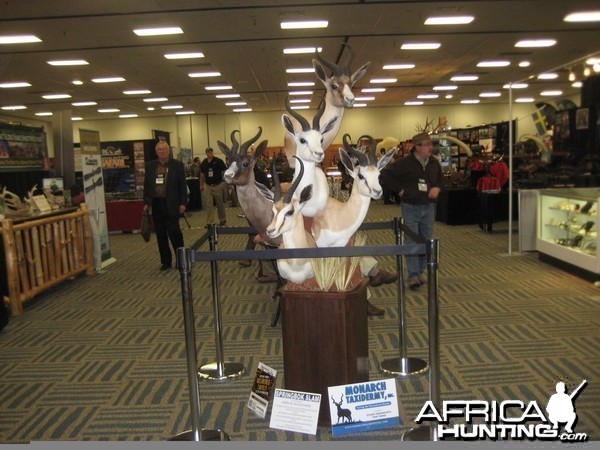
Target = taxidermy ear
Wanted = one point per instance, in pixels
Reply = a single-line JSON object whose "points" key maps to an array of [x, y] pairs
{"points": [[260, 149], [224, 149], [360, 72], [347, 162], [386, 159], [287, 123], [306, 194]]}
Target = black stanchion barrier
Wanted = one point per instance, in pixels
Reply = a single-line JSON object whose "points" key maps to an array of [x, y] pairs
{"points": [[184, 262], [403, 366], [429, 432], [218, 370]]}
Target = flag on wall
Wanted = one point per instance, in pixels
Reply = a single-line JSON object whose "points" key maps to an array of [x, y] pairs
{"points": [[539, 120]]}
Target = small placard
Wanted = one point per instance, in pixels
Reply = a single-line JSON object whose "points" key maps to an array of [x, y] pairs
{"points": [[359, 407], [41, 203], [295, 411], [264, 383]]}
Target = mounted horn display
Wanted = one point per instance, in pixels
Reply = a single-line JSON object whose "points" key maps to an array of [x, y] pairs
{"points": [[246, 145], [371, 151], [303, 122], [294, 186], [317, 118], [337, 71], [347, 70]]}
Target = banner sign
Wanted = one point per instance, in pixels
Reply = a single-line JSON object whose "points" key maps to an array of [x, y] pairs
{"points": [[23, 148], [359, 407]]}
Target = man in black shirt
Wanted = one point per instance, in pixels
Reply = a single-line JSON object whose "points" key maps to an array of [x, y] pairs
{"points": [[211, 182]]}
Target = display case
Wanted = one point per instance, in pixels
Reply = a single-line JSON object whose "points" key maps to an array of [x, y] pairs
{"points": [[567, 226]]}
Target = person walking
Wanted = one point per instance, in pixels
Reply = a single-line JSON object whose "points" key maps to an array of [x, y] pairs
{"points": [[165, 195], [213, 185], [418, 179]]}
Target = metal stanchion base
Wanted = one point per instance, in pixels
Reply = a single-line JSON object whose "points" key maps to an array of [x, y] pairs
{"points": [[404, 366], [422, 433], [205, 435], [230, 370]]}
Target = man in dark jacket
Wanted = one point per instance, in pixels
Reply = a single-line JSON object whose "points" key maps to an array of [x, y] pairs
{"points": [[418, 179], [165, 193]]}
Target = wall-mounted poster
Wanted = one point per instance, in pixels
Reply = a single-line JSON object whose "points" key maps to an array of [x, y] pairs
{"points": [[561, 124], [582, 119], [22, 148]]}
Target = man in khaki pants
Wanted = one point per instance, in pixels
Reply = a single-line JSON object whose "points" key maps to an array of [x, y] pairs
{"points": [[213, 186]]}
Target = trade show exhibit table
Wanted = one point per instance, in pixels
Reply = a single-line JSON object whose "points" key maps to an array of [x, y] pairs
{"points": [[124, 215]]}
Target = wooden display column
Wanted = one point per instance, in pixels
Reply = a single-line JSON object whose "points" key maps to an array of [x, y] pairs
{"points": [[325, 341]]}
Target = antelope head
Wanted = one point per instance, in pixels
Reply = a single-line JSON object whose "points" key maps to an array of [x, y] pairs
{"points": [[285, 209], [241, 165], [366, 172], [340, 83], [309, 139]]}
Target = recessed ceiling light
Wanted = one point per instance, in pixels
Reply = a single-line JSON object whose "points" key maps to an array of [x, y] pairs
{"points": [[222, 87], [236, 104], [190, 55], [161, 31], [228, 96], [366, 98], [399, 66], [577, 84], [383, 80], [490, 94], [108, 80], [242, 109], [421, 46], [76, 118], [19, 39], [43, 114], [301, 50], [77, 82], [127, 116], [55, 96], [583, 16], [464, 78], [524, 64], [108, 110], [449, 20], [470, 101], [204, 74], [301, 83], [426, 96], [524, 100], [172, 107], [413, 103], [449, 96], [534, 43], [84, 103], [150, 108], [499, 63], [301, 92], [300, 70], [372, 90], [516, 86], [445, 88], [300, 24], [137, 92], [156, 99], [68, 62], [181, 113], [547, 76], [300, 100], [15, 84], [551, 93]]}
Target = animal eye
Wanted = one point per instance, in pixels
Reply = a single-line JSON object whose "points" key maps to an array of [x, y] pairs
{"points": [[360, 176], [245, 164], [302, 141], [290, 212], [335, 87]]}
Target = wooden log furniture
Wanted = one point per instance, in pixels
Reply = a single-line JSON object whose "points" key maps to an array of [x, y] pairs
{"points": [[44, 250]]}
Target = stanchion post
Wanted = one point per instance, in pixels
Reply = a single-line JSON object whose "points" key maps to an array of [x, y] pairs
{"points": [[184, 262], [218, 370], [403, 365]]}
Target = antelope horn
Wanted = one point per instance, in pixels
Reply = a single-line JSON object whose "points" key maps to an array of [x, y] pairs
{"points": [[294, 186], [317, 118], [362, 158], [234, 143], [347, 70], [371, 155], [246, 145], [347, 145], [334, 67], [295, 115], [276, 184]]}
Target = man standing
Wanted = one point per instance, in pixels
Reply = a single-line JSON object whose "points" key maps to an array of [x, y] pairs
{"points": [[165, 194], [211, 182], [418, 179]]}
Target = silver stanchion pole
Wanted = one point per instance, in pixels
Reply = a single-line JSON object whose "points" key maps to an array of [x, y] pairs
{"points": [[219, 370], [403, 366], [184, 262], [429, 432]]}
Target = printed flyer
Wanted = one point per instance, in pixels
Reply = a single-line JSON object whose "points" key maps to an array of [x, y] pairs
{"points": [[264, 383]]}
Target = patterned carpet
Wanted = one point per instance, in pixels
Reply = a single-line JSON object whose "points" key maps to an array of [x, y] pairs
{"points": [[103, 357]]}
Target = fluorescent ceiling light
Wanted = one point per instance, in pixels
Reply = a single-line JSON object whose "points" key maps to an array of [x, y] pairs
{"points": [[137, 92], [583, 16], [84, 103], [150, 108], [156, 99], [108, 80], [19, 39], [449, 96], [464, 78], [551, 93], [365, 98], [372, 90], [547, 76], [204, 74], [77, 82], [359, 105], [399, 66], [181, 113], [534, 43], [449, 20], [228, 96], [15, 84], [236, 104], [445, 88], [300, 70], [14, 107], [500, 63], [190, 55], [242, 109], [108, 110], [76, 118], [516, 86], [171, 107], [490, 94], [383, 80], [301, 50], [426, 96], [577, 84], [301, 83], [301, 92], [300, 100], [300, 24], [592, 61], [68, 62], [300, 107], [421, 46], [470, 101], [127, 116], [219, 87], [524, 100], [55, 96], [524, 64], [43, 114], [161, 31], [413, 103]]}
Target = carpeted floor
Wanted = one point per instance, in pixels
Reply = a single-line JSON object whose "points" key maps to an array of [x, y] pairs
{"points": [[103, 357]]}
